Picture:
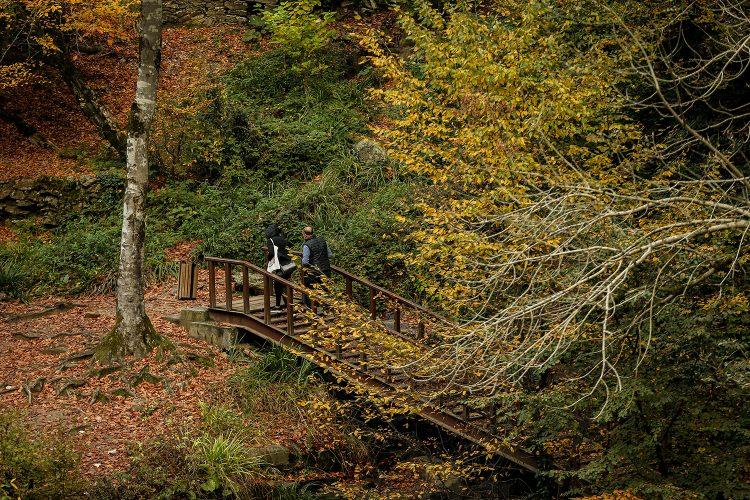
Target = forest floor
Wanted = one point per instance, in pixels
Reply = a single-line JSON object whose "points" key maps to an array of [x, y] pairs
{"points": [[57, 348]]}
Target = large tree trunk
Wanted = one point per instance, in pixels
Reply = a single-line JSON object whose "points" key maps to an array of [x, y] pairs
{"points": [[95, 111], [133, 325]]}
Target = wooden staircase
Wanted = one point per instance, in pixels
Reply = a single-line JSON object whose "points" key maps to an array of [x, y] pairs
{"points": [[294, 328]]}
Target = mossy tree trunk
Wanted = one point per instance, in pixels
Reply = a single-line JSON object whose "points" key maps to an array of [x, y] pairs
{"points": [[133, 328]]}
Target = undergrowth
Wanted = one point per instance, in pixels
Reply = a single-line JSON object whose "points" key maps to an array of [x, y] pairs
{"points": [[33, 466]]}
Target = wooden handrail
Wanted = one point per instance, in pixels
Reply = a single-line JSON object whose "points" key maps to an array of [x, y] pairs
{"points": [[382, 291], [259, 270], [269, 278]]}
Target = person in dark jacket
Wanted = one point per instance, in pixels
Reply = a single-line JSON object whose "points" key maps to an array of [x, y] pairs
{"points": [[316, 260], [278, 261]]}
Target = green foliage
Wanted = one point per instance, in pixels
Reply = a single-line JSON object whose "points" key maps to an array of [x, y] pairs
{"points": [[270, 122], [272, 145], [302, 33], [13, 281], [226, 462], [35, 467], [276, 371], [505, 111]]}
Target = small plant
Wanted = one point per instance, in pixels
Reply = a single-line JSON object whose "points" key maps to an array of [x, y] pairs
{"points": [[13, 281], [226, 462], [221, 419]]}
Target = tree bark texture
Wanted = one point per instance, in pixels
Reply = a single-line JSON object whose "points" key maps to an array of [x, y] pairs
{"points": [[132, 322]]}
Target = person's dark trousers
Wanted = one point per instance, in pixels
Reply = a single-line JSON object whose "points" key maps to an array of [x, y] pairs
{"points": [[279, 287], [311, 279]]}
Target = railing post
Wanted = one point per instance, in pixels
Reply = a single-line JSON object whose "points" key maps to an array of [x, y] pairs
{"points": [[373, 309], [245, 290], [397, 318], [212, 283], [267, 284], [289, 310], [349, 286], [228, 284]]}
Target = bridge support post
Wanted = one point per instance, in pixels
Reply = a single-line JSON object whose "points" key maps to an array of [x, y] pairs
{"points": [[245, 291], [228, 285], [212, 283], [267, 282], [289, 310]]}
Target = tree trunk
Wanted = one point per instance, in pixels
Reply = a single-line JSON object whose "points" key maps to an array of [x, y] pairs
{"points": [[133, 325]]}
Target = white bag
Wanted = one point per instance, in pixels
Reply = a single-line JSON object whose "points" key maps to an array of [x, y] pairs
{"points": [[273, 264]]}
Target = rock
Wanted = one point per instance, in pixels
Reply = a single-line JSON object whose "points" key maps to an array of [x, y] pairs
{"points": [[274, 454], [87, 181], [224, 337], [368, 151], [193, 314], [172, 319]]}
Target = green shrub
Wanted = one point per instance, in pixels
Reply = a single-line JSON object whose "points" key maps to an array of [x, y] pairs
{"points": [[301, 32], [273, 122], [220, 419], [13, 280], [225, 461], [44, 467]]}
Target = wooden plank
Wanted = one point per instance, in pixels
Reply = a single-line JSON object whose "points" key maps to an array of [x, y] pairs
{"points": [[245, 290], [267, 285], [289, 310], [212, 283], [228, 285]]}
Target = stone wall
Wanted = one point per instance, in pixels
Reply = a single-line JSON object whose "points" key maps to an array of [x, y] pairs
{"points": [[211, 12], [53, 198]]}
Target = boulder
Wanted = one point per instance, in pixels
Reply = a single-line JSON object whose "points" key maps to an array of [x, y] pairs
{"points": [[274, 454], [368, 151]]}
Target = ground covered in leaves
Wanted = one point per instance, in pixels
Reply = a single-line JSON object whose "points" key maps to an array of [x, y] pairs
{"points": [[48, 371]]}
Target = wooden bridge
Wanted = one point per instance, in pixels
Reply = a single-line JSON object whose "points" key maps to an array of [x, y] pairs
{"points": [[249, 309]]}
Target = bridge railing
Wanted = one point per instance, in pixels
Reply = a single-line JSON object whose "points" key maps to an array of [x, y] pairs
{"points": [[290, 289], [380, 299]]}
